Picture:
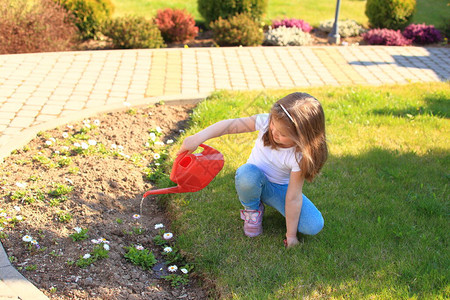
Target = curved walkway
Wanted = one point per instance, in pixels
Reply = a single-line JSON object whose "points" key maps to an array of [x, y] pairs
{"points": [[43, 90]]}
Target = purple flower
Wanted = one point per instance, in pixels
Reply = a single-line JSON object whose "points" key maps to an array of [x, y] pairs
{"points": [[303, 25]]}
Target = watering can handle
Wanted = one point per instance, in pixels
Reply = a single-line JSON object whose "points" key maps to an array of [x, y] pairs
{"points": [[206, 150]]}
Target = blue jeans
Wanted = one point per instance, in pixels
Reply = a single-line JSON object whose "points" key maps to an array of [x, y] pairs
{"points": [[253, 187]]}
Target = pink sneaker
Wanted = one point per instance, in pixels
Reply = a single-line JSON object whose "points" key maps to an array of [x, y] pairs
{"points": [[252, 221]]}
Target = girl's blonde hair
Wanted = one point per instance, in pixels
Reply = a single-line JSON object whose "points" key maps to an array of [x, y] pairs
{"points": [[304, 120]]}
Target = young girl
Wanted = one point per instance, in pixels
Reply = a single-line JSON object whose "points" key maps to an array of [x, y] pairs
{"points": [[290, 148]]}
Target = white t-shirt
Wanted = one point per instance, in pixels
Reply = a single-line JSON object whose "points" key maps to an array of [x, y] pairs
{"points": [[276, 164]]}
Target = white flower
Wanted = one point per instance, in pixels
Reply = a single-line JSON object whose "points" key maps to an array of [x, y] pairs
{"points": [[86, 256], [167, 250], [56, 152], [87, 126], [70, 126], [106, 247], [65, 148], [84, 146], [114, 146], [147, 144], [52, 139], [96, 122], [77, 229], [76, 145], [169, 142], [103, 240], [160, 225], [22, 185], [157, 164], [181, 131], [94, 241], [3, 214], [19, 218], [172, 268], [139, 247], [1, 228], [168, 235], [158, 129], [48, 143], [136, 216], [34, 242], [27, 238], [156, 156], [92, 142], [17, 208], [152, 136], [86, 121], [185, 271], [65, 135], [120, 147]]}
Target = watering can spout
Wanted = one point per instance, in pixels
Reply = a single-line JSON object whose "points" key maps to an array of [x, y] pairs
{"points": [[169, 190], [193, 172]]}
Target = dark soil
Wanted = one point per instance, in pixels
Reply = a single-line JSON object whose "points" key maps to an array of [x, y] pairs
{"points": [[107, 191]]}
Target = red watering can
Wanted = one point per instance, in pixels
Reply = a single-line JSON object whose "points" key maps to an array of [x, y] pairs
{"points": [[193, 172]]}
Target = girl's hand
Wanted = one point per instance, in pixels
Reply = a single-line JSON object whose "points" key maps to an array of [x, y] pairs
{"points": [[190, 144], [290, 242]]}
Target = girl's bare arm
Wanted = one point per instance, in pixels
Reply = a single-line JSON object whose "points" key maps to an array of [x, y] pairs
{"points": [[220, 128], [293, 207]]}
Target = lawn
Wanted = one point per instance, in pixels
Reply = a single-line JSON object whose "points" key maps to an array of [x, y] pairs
{"points": [[312, 11], [383, 194]]}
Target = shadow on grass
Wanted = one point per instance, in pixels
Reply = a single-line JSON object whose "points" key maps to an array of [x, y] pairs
{"points": [[437, 104], [386, 226]]}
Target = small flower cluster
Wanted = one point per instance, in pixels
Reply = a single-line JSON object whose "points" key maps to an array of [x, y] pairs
{"points": [[31, 243], [140, 256], [80, 234], [287, 36], [172, 257], [8, 220], [290, 23], [155, 170], [100, 251]]}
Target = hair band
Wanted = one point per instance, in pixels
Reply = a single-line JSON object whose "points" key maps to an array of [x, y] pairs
{"points": [[284, 109]]}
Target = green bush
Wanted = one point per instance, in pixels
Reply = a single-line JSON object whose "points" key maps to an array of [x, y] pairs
{"points": [[240, 30], [211, 10], [89, 15], [35, 26], [133, 32], [390, 14]]}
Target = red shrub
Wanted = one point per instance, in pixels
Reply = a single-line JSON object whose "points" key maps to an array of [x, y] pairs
{"points": [[176, 25], [388, 37]]}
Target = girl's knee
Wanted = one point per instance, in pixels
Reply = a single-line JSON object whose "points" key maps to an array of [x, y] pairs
{"points": [[313, 228], [247, 176]]}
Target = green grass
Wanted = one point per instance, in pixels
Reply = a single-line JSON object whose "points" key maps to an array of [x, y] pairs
{"points": [[312, 11], [433, 12], [383, 194]]}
